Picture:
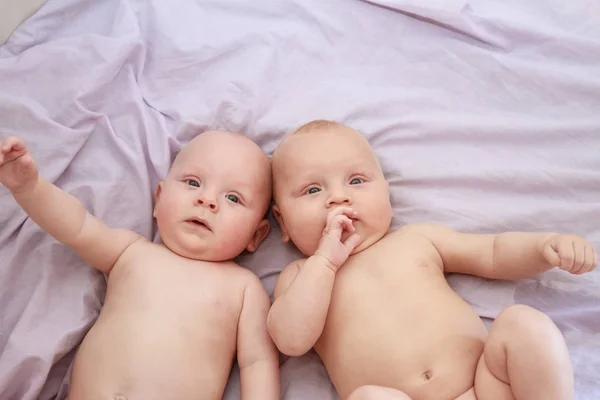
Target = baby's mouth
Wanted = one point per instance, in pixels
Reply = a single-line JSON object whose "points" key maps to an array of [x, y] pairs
{"points": [[200, 223]]}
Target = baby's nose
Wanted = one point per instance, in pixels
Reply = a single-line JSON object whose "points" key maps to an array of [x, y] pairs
{"points": [[207, 202], [340, 198]]}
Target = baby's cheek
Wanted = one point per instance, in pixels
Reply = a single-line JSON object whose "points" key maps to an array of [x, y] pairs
{"points": [[237, 235], [380, 204], [228, 248], [163, 211], [166, 204], [310, 233]]}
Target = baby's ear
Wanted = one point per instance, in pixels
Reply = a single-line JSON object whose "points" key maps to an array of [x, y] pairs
{"points": [[156, 196], [279, 218], [259, 235]]}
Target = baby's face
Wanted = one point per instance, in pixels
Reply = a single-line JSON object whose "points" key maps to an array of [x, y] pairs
{"points": [[213, 202], [315, 172]]}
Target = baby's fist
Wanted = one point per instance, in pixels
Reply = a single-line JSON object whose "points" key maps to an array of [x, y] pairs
{"points": [[17, 167], [339, 237], [570, 253]]}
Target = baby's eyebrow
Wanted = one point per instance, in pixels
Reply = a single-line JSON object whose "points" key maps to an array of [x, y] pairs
{"points": [[247, 186], [187, 170], [304, 180]]}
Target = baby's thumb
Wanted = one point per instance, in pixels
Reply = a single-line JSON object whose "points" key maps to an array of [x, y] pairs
{"points": [[335, 228], [551, 256], [25, 163], [352, 242]]}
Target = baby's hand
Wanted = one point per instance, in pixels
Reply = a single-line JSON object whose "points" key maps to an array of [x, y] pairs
{"points": [[17, 167], [339, 238], [570, 253]]}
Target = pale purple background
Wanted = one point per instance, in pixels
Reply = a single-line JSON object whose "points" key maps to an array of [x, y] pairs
{"points": [[486, 115]]}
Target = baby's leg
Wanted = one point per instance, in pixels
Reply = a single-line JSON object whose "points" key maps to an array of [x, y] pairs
{"points": [[377, 393], [525, 357]]}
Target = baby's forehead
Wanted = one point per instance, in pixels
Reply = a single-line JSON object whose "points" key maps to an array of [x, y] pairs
{"points": [[339, 136], [336, 148], [243, 163]]}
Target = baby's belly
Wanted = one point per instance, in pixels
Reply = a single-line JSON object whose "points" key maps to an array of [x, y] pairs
{"points": [[421, 339], [158, 356]]}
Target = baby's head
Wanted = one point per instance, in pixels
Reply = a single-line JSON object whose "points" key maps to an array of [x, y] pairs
{"points": [[323, 165], [213, 202]]}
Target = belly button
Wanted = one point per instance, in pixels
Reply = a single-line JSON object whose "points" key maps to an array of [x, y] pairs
{"points": [[119, 397], [426, 375]]}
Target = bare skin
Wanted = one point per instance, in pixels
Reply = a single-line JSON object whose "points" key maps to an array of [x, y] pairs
{"points": [[375, 304], [176, 315]]}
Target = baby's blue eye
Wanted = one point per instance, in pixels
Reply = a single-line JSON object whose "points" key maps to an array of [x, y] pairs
{"points": [[313, 190], [232, 197], [193, 183], [356, 181]]}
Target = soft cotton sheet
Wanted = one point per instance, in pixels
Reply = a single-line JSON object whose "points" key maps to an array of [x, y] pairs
{"points": [[485, 115]]}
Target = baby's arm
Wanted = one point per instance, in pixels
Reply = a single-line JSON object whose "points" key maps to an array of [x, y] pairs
{"points": [[57, 212], [257, 356], [303, 290], [510, 255], [302, 297]]}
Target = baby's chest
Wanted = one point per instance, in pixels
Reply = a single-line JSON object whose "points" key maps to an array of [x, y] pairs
{"points": [[401, 264], [178, 290], [384, 295], [384, 275]]}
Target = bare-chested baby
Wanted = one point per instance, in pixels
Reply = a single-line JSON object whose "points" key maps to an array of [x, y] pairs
{"points": [[375, 304], [175, 314]]}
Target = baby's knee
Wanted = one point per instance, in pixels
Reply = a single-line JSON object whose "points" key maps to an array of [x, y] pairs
{"points": [[369, 392], [525, 322]]}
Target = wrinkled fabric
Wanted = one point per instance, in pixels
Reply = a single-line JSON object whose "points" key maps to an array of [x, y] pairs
{"points": [[485, 115]]}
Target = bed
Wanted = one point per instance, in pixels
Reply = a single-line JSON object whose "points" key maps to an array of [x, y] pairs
{"points": [[485, 115]]}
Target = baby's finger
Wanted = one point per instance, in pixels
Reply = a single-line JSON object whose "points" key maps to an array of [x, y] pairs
{"points": [[590, 259], [26, 162], [348, 225], [13, 143], [12, 149], [567, 255], [333, 214], [336, 226], [333, 225], [578, 257], [347, 211], [585, 264], [352, 242], [350, 212], [337, 212]]}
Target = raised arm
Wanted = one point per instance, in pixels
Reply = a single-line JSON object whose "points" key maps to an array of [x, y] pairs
{"points": [[57, 212], [257, 356], [510, 255], [303, 290]]}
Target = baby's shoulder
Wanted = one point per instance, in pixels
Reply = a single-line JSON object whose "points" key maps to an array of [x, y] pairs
{"points": [[141, 245], [423, 236], [235, 272], [247, 283], [424, 229]]}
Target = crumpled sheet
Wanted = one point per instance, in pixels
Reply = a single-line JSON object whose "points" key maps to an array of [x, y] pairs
{"points": [[485, 115]]}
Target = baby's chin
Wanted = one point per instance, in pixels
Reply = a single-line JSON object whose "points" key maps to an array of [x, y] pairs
{"points": [[368, 242], [198, 253], [361, 246]]}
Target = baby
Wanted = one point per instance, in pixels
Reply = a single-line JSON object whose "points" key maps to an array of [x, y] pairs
{"points": [[375, 304], [175, 314]]}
